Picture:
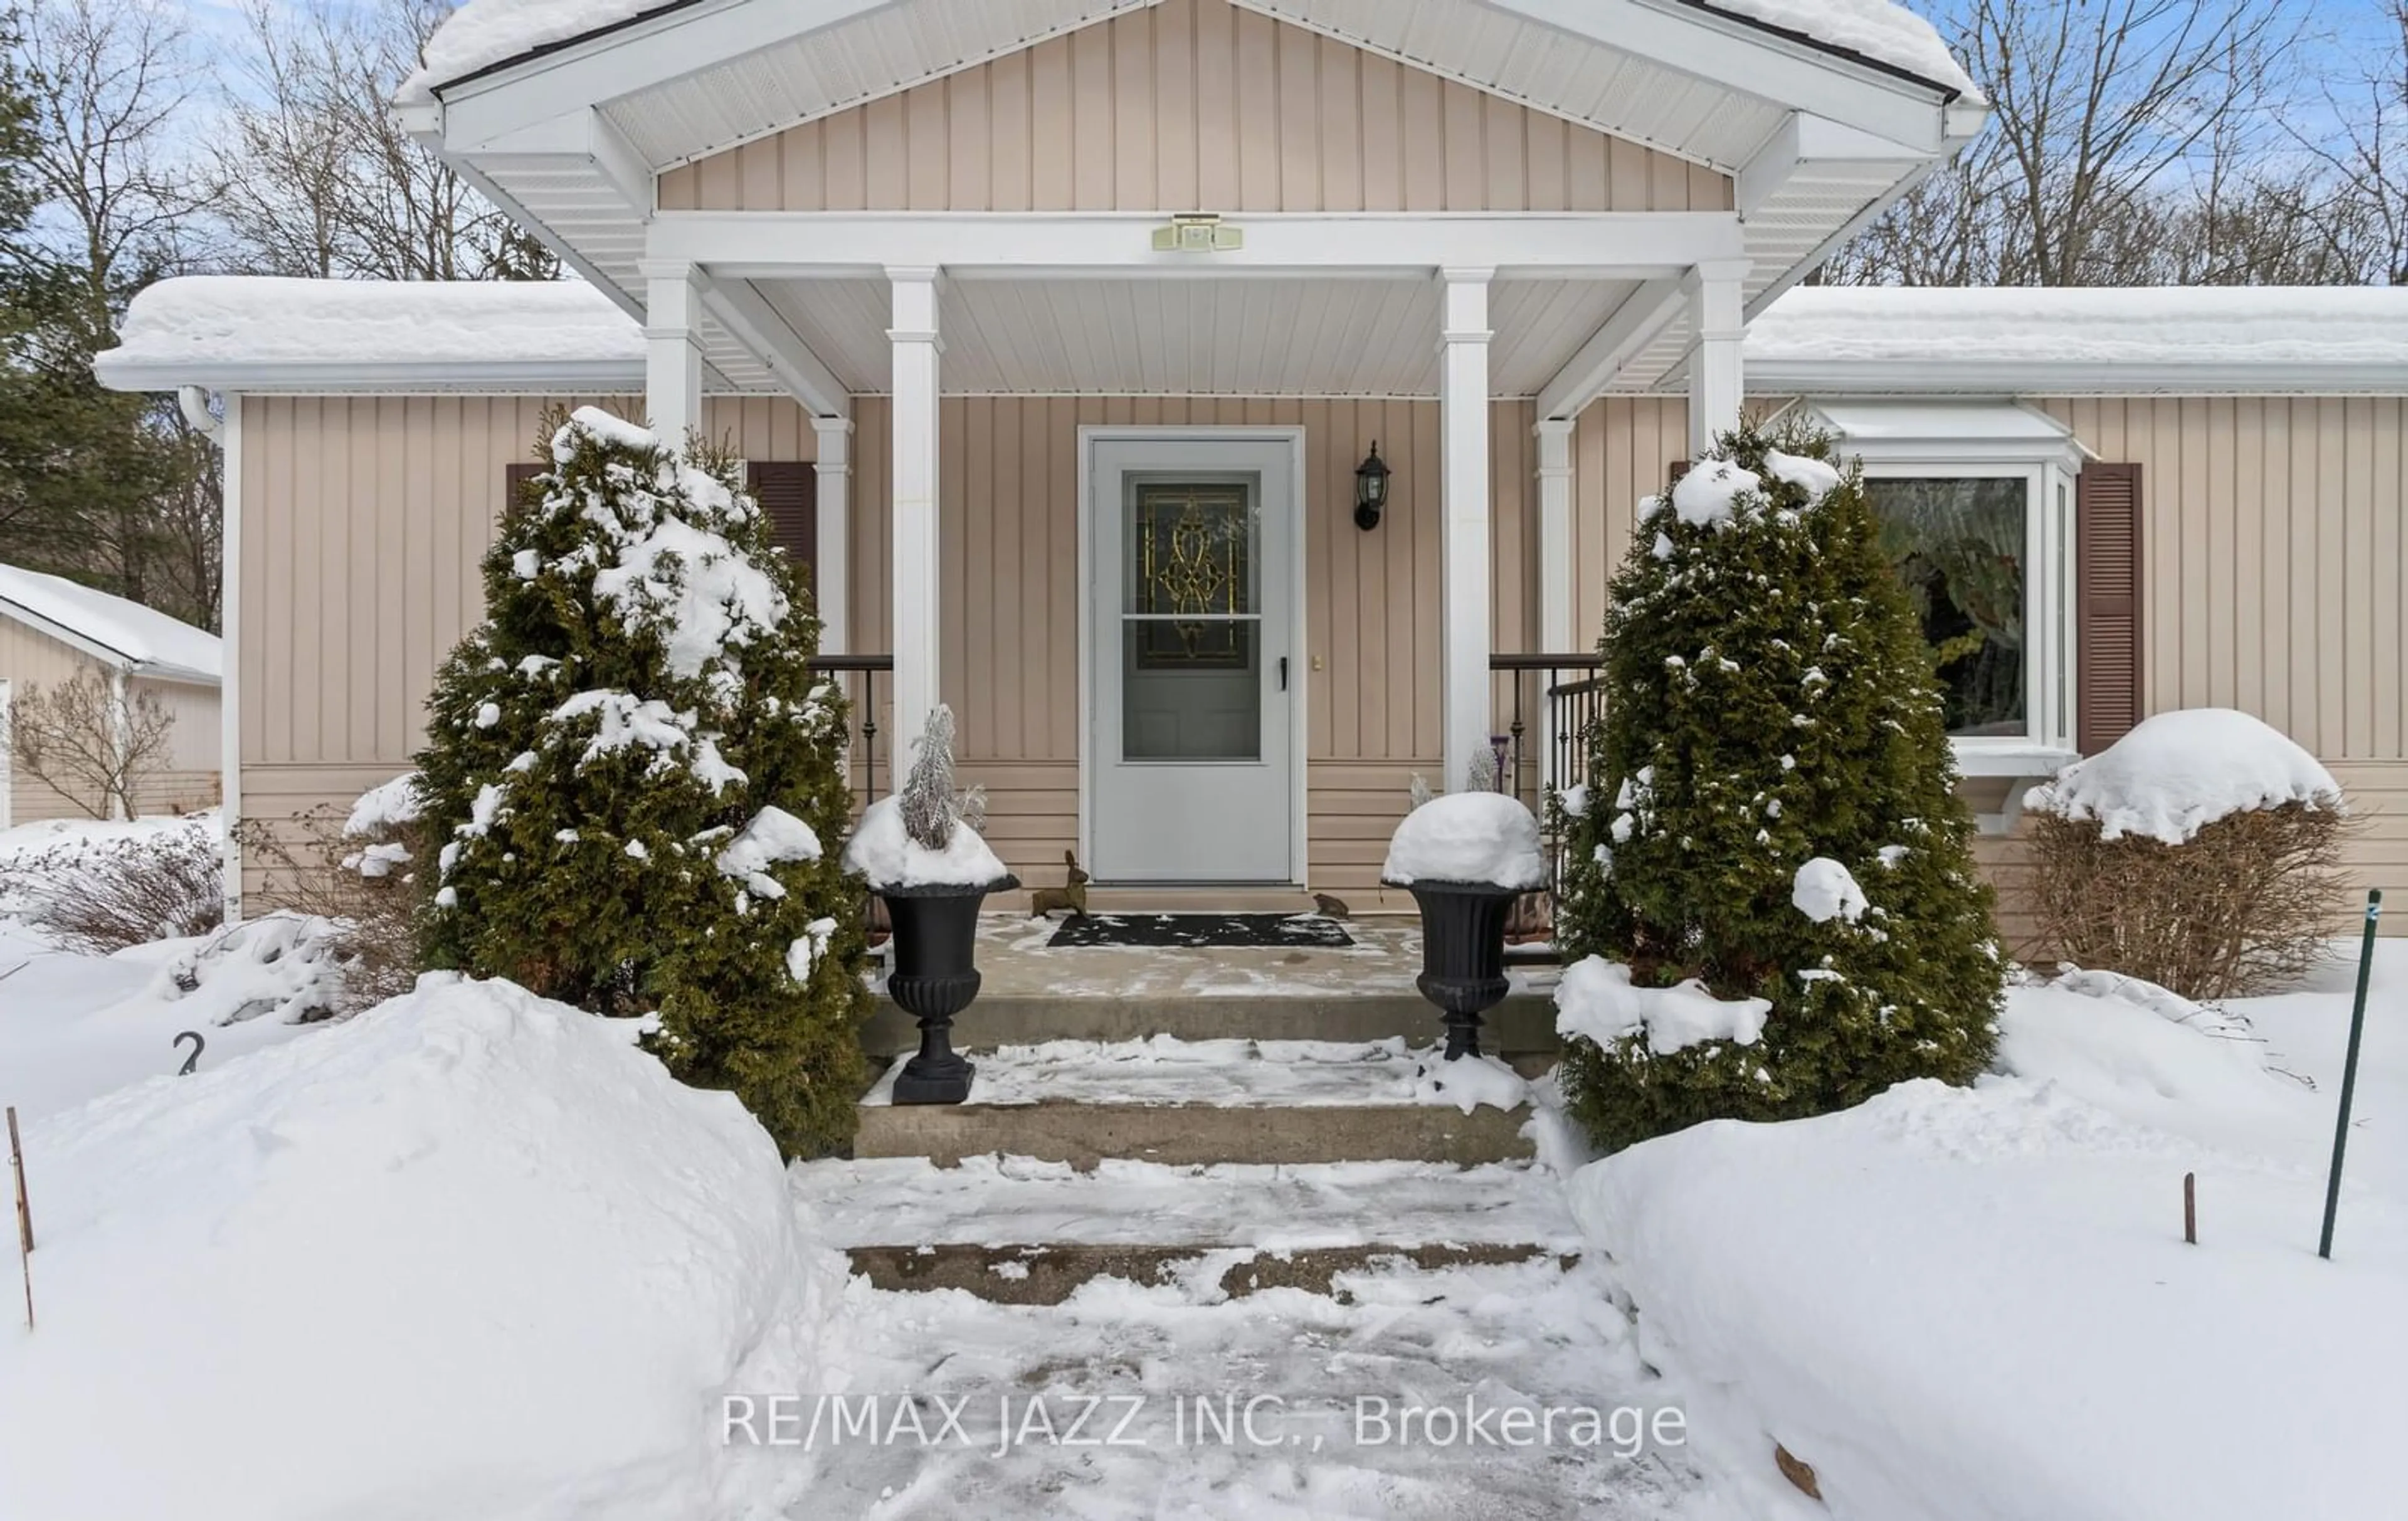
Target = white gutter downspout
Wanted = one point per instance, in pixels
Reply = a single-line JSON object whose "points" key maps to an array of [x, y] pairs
{"points": [[226, 435], [121, 738]]}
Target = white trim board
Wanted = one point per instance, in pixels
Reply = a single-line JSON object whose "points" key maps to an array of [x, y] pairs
{"points": [[1091, 434]]}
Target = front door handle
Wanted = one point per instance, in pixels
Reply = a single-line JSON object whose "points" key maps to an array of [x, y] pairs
{"points": [[1283, 673]]}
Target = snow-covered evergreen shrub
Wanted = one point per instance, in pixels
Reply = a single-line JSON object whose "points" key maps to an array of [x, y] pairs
{"points": [[1772, 814], [630, 773]]}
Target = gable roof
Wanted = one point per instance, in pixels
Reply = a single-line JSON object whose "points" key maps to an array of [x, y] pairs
{"points": [[140, 641], [260, 334], [565, 112]]}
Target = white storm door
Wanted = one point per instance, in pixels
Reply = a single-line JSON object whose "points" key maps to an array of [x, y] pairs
{"points": [[1191, 604]]}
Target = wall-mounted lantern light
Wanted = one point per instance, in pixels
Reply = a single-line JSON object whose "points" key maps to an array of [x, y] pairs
{"points": [[1370, 489]]}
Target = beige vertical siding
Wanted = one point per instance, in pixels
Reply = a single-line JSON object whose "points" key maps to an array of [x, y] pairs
{"points": [[2273, 570], [1010, 652], [188, 780], [1192, 104], [366, 519]]}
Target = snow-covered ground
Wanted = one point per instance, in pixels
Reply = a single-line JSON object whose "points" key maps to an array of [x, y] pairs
{"points": [[1978, 1304], [473, 1256]]}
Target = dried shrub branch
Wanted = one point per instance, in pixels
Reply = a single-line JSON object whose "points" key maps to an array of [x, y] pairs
{"points": [[376, 910], [2247, 905], [97, 896]]}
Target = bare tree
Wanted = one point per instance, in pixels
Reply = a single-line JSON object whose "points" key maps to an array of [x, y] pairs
{"points": [[2129, 143], [115, 78], [92, 740], [321, 180], [2368, 155]]}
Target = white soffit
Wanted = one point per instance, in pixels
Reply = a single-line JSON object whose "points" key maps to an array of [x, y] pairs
{"points": [[1258, 337]]}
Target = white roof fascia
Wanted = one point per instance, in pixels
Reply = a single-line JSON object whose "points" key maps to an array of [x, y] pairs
{"points": [[1975, 378]]}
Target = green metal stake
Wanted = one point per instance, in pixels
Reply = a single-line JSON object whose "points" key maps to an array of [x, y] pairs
{"points": [[2349, 1068]]}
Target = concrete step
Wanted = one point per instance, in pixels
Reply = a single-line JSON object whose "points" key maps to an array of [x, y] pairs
{"points": [[1195, 1103], [1523, 1026], [1017, 1230]]}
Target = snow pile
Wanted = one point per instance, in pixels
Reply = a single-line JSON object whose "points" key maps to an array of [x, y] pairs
{"points": [[470, 1253], [484, 33], [883, 851], [187, 325], [1825, 890], [385, 808], [1816, 478], [150, 640], [1472, 836], [1710, 493], [2162, 1001], [773, 836], [285, 966], [1597, 1002], [1468, 1082], [1978, 1304], [2178, 773]]}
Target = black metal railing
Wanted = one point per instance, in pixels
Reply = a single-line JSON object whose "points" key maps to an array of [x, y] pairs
{"points": [[857, 676], [1547, 703]]}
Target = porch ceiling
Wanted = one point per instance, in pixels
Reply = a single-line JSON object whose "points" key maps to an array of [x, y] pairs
{"points": [[1264, 337]]}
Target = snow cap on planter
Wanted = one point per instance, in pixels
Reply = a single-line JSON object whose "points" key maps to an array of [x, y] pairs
{"points": [[925, 835], [1475, 836], [1775, 838], [628, 769]]}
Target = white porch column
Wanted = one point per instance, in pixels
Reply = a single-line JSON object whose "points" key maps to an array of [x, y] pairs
{"points": [[1717, 323], [1463, 504], [1556, 611], [833, 574], [916, 347], [672, 350]]}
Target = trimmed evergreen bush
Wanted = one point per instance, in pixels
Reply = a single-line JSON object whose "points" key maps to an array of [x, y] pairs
{"points": [[632, 774], [1770, 702]]}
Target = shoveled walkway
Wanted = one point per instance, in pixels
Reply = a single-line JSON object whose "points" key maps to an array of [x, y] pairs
{"points": [[1509, 1320]]}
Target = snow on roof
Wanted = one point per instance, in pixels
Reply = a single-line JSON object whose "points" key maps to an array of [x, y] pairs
{"points": [[387, 335], [147, 641], [482, 34], [2070, 328], [1876, 30], [201, 321]]}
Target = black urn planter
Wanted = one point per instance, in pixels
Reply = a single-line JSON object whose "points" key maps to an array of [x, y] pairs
{"points": [[1463, 954], [934, 976]]}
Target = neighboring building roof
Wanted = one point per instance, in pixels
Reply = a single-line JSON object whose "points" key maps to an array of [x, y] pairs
{"points": [[368, 336], [224, 330], [142, 641], [2101, 341], [484, 34]]}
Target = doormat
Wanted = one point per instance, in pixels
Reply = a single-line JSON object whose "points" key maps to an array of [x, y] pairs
{"points": [[1202, 930]]}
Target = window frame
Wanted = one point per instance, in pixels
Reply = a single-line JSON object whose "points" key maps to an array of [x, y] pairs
{"points": [[2039, 450]]}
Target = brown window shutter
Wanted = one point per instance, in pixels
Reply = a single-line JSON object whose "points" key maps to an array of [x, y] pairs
{"points": [[789, 492], [1672, 477], [2107, 604], [514, 481]]}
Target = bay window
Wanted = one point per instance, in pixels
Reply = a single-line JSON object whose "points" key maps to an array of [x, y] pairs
{"points": [[1975, 502]]}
